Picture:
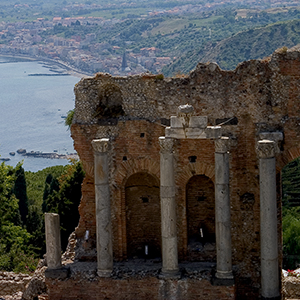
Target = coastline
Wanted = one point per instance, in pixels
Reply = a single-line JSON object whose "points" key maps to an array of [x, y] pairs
{"points": [[69, 69]]}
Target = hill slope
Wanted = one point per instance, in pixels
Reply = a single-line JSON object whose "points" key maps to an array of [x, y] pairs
{"points": [[251, 44]]}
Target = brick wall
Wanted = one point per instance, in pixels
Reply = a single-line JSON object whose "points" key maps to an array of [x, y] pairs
{"points": [[133, 289], [143, 222], [261, 95]]}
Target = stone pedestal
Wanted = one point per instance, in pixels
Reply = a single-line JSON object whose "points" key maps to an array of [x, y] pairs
{"points": [[222, 209], [268, 220], [53, 242], [168, 209], [103, 214]]}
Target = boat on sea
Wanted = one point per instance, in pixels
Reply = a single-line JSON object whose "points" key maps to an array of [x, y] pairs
{"points": [[4, 159]]}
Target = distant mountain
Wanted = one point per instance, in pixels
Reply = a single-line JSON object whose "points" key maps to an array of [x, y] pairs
{"points": [[251, 44]]}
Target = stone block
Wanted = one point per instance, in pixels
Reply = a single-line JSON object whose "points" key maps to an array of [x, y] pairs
{"points": [[198, 122], [60, 274]]}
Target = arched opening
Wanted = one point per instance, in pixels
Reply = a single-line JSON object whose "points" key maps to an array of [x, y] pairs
{"points": [[143, 223], [200, 202], [109, 108]]}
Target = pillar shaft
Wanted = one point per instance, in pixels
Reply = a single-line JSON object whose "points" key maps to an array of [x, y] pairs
{"points": [[222, 209], [103, 214], [53, 242], [268, 220], [168, 208]]}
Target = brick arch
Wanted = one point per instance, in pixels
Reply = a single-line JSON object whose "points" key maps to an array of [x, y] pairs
{"points": [[186, 173], [123, 171], [287, 156], [197, 168], [200, 215], [130, 167], [143, 219]]}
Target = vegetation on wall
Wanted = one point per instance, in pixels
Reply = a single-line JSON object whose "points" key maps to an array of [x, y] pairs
{"points": [[291, 214]]}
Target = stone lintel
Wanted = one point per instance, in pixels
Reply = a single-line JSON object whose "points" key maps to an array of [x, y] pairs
{"points": [[193, 133], [266, 149], [166, 144], [101, 145], [193, 122], [213, 132], [276, 136]]}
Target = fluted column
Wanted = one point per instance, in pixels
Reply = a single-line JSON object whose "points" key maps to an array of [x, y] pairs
{"points": [[103, 215], [268, 220], [53, 243], [168, 209], [222, 209]]}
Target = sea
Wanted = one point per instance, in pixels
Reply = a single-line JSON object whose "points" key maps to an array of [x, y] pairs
{"points": [[35, 97]]}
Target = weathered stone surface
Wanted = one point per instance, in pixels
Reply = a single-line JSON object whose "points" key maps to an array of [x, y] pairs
{"points": [[263, 95], [291, 287], [12, 284], [53, 243], [37, 285]]}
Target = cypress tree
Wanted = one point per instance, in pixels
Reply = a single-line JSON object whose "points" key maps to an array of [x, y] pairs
{"points": [[21, 192]]}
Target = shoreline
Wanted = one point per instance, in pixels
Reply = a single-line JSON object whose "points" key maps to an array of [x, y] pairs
{"points": [[69, 69]]}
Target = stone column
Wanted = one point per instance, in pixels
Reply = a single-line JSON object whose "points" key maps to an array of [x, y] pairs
{"points": [[53, 243], [103, 215], [168, 209], [268, 220], [222, 209]]}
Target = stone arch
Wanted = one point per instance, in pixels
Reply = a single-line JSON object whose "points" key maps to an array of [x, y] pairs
{"points": [[143, 221], [110, 104]]}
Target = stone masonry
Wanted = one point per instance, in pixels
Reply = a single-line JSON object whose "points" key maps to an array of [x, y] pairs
{"points": [[214, 194]]}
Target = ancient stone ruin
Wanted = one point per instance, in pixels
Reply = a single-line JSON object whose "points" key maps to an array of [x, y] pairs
{"points": [[182, 194]]}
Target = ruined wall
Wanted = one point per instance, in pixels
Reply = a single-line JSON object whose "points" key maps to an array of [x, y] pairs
{"points": [[12, 283], [258, 96], [143, 288]]}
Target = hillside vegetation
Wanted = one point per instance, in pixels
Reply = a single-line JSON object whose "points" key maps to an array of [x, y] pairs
{"points": [[24, 198], [250, 44], [290, 213]]}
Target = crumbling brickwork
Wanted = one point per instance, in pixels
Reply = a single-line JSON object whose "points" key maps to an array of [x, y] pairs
{"points": [[259, 96]]}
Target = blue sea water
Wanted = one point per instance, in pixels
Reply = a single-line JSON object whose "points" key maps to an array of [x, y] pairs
{"points": [[31, 111]]}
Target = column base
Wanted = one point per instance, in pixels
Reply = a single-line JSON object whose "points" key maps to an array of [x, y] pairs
{"points": [[61, 273], [104, 273], [222, 282], [223, 279], [169, 274], [272, 298], [224, 275]]}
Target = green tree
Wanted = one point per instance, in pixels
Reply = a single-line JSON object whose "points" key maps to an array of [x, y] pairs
{"points": [[21, 193], [65, 198], [15, 251]]}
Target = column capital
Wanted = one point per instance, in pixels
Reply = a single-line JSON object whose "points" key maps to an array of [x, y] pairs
{"points": [[222, 144], [266, 149], [166, 145], [101, 145]]}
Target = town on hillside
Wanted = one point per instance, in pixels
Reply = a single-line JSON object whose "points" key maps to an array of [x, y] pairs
{"points": [[99, 37]]}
